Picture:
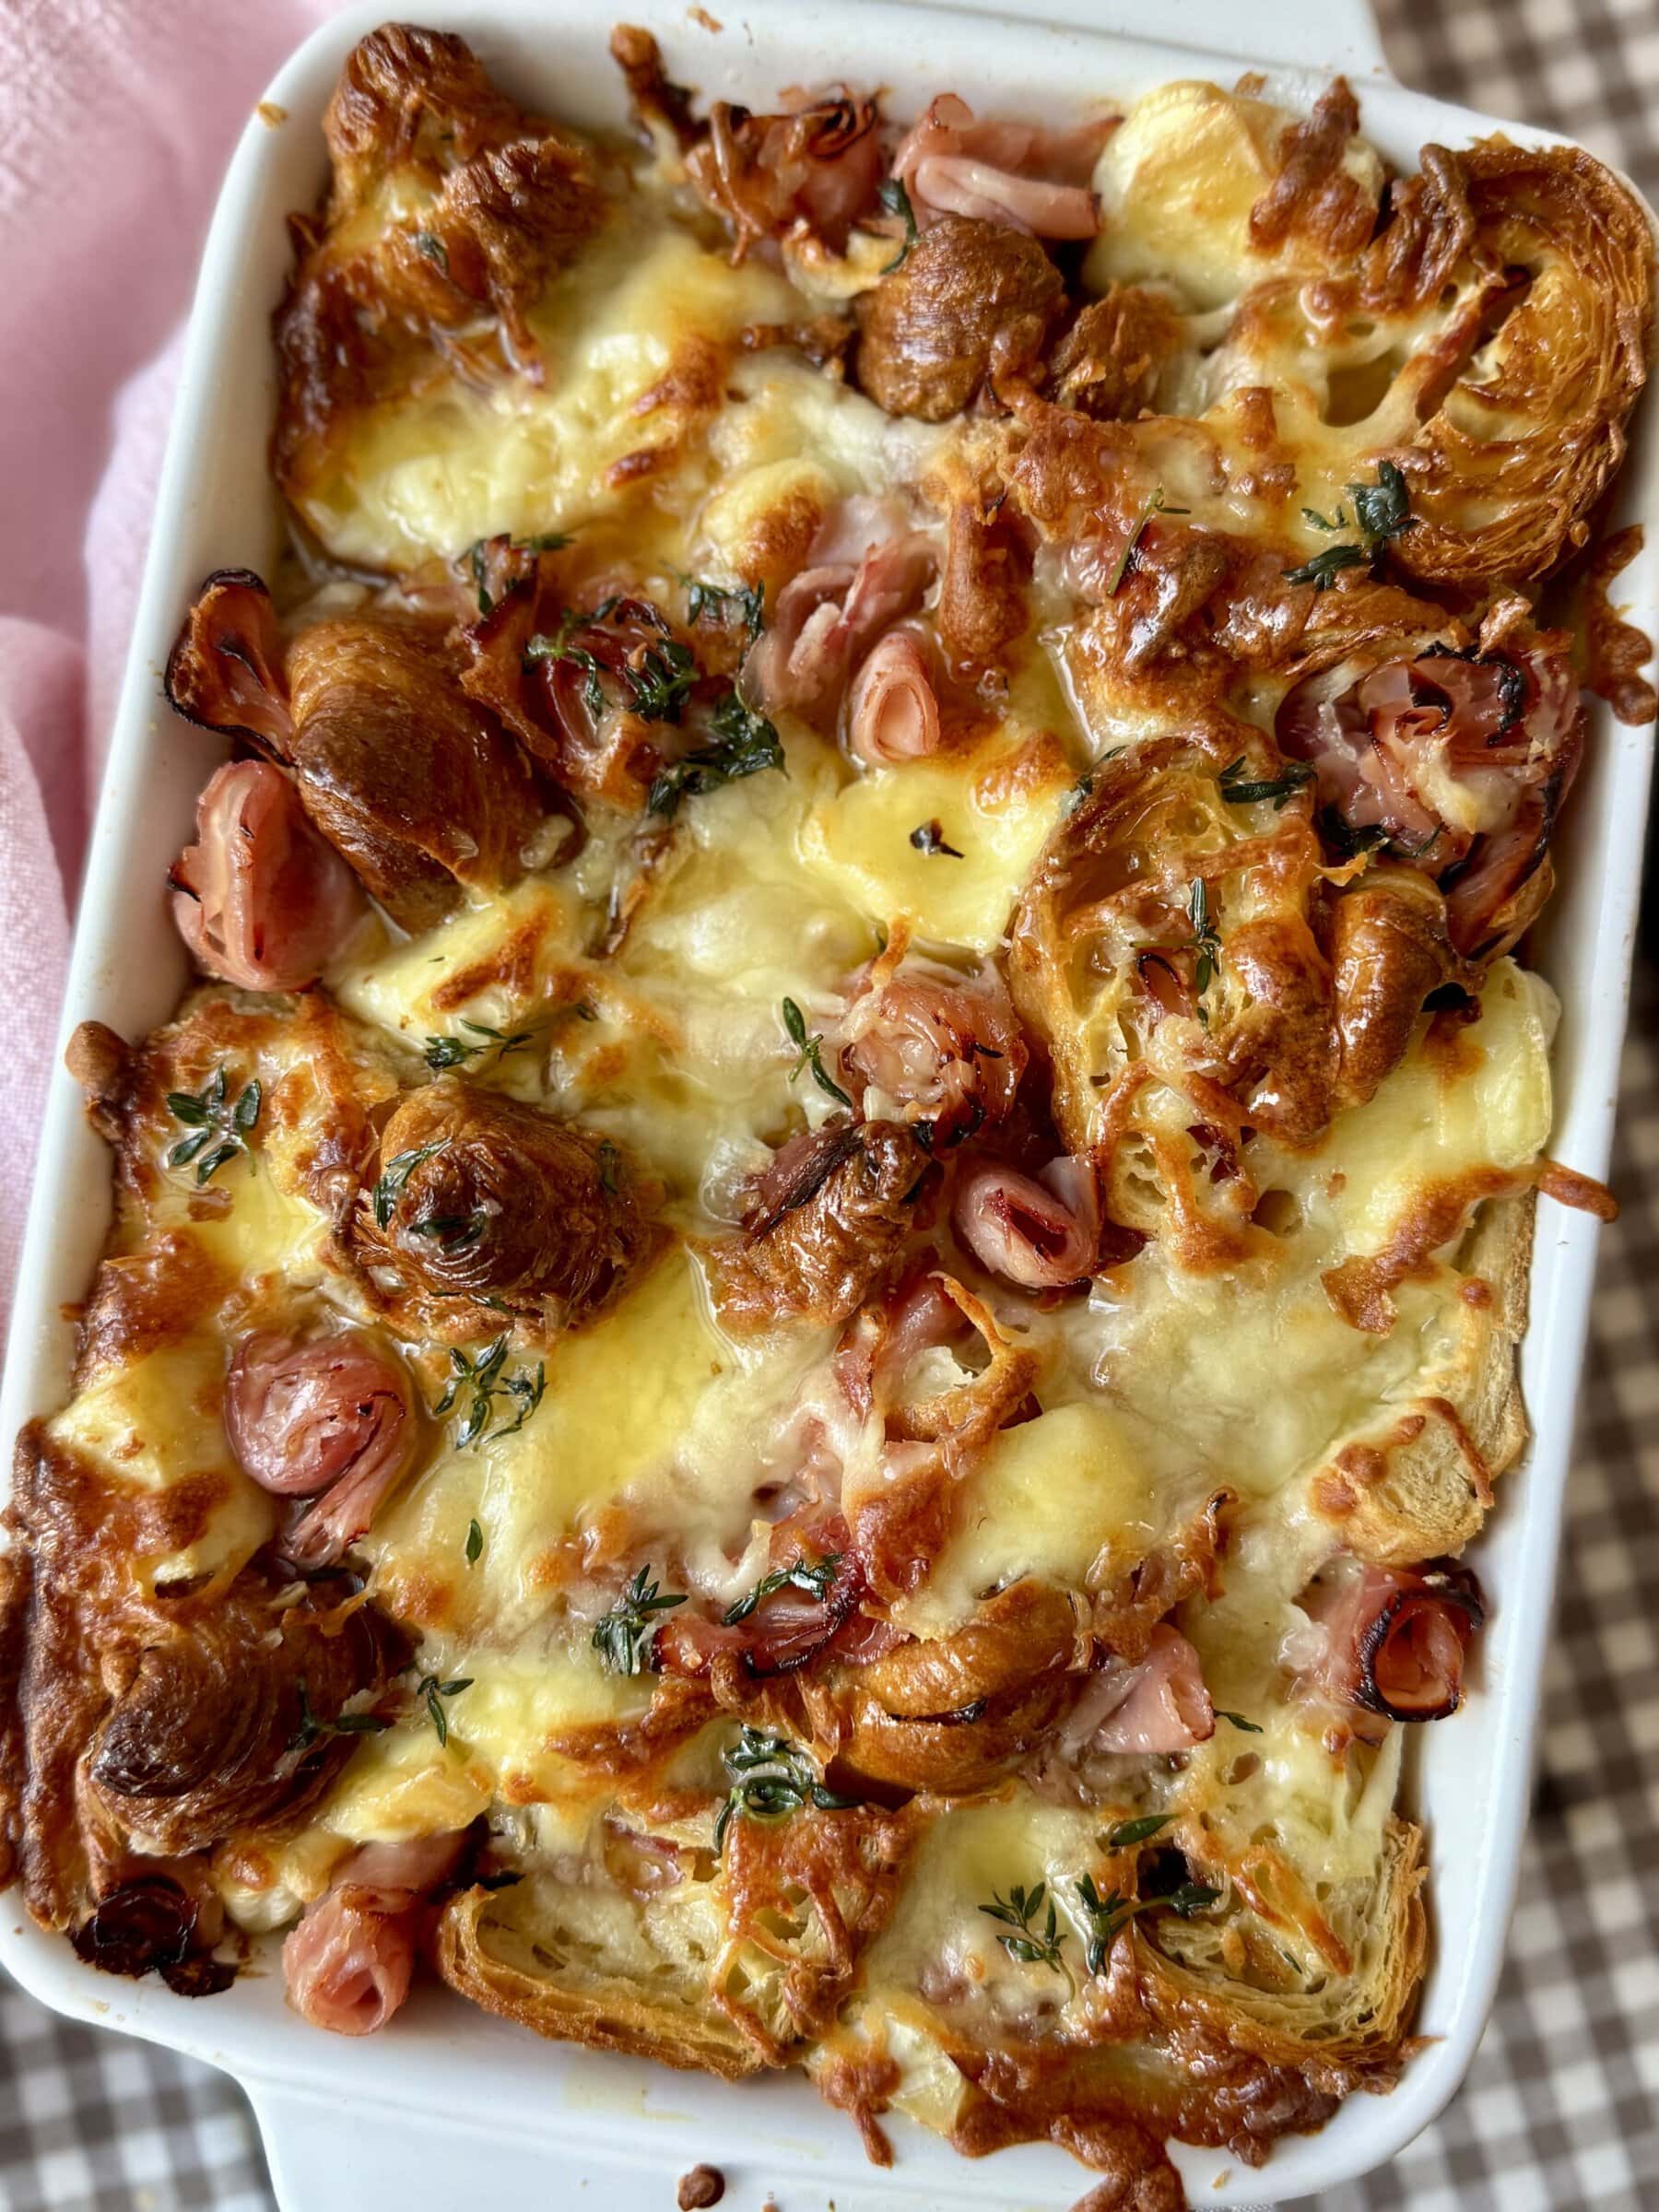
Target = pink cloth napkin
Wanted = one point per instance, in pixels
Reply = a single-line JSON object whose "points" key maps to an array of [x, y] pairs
{"points": [[117, 118]]}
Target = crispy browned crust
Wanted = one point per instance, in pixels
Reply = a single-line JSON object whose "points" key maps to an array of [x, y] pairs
{"points": [[972, 301], [504, 200], [157, 1717], [1560, 380]]}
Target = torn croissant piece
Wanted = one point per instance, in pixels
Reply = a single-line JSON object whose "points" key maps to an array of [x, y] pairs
{"points": [[480, 1197], [1531, 430], [449, 207], [419, 789]]}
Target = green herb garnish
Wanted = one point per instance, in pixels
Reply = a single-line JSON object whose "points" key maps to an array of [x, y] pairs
{"points": [[1128, 1832], [1109, 1914], [429, 1690], [623, 1637], [312, 1730], [395, 1174], [1019, 1911], [816, 1581], [485, 1380], [744, 744], [439, 1052], [811, 1054], [745, 600], [1238, 1720], [772, 1778], [895, 200], [1381, 510], [1240, 789], [218, 1129], [475, 1543], [1203, 941]]}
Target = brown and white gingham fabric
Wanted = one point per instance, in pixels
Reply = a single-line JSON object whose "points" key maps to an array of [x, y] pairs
{"points": [[1559, 2113]]}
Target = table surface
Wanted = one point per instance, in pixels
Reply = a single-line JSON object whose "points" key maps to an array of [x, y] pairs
{"points": [[1559, 2107]]}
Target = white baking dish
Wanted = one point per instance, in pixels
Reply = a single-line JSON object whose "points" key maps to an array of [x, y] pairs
{"points": [[452, 2104]]}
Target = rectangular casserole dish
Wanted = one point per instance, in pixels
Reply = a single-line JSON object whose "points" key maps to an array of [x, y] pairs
{"points": [[454, 2101]]}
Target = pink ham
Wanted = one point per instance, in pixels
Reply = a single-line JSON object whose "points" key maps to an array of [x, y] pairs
{"points": [[939, 1047], [330, 1419], [893, 713], [348, 1962], [1395, 1639], [1160, 1706], [1043, 1234], [1031, 180], [260, 898], [866, 572]]}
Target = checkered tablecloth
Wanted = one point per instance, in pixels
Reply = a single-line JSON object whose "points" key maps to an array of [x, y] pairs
{"points": [[1558, 2112]]}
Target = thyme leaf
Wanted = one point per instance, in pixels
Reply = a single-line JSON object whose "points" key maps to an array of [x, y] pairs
{"points": [[771, 1778], [397, 1170], [1108, 1916], [429, 1690], [1240, 789], [1238, 1720], [895, 200], [485, 1380], [743, 745], [1203, 941], [1157, 504], [214, 1121], [817, 1580], [811, 1054], [475, 1543], [1324, 568], [623, 1636], [929, 837], [1031, 1945], [1129, 1832], [747, 601], [439, 1052]]}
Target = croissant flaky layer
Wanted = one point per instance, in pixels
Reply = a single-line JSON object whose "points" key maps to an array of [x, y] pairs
{"points": [[802, 1324]]}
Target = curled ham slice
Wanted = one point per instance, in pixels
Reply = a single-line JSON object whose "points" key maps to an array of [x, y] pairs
{"points": [[1395, 1639], [945, 1053], [817, 164], [1159, 1707], [1042, 1233], [1462, 760], [332, 1417], [1031, 180], [893, 713], [348, 1962], [866, 570], [260, 898]]}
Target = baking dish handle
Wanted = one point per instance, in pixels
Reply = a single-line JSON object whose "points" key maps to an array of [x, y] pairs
{"points": [[328, 2153], [1322, 35]]}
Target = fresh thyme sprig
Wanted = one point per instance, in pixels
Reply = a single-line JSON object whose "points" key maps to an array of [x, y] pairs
{"points": [[624, 1636], [395, 1174], [1027, 1943], [429, 1690], [213, 1121], [810, 1052], [439, 1052], [748, 601], [1381, 510], [485, 1380], [896, 200], [1203, 941], [1241, 790], [772, 1778], [744, 744], [1157, 504], [817, 1580], [1108, 1916], [311, 1729]]}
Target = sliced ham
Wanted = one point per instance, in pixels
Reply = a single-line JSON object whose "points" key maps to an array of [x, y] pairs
{"points": [[893, 713], [1040, 1233], [1031, 179], [1393, 1639], [261, 899], [348, 1963], [330, 1419], [866, 570], [1158, 1708], [934, 1046]]}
